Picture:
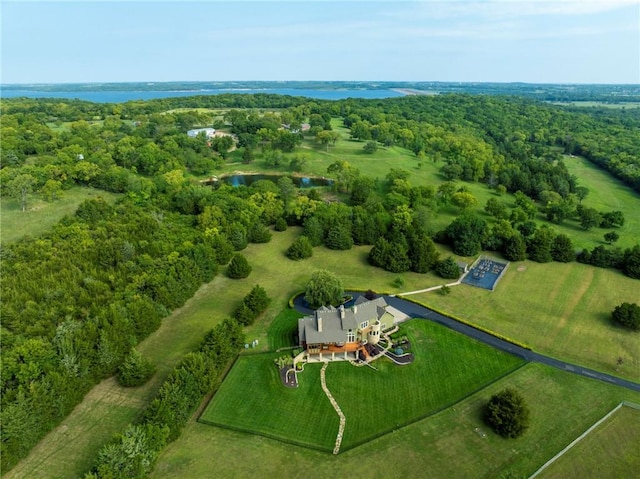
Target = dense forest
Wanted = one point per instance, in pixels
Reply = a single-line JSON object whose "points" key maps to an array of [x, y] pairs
{"points": [[76, 300]]}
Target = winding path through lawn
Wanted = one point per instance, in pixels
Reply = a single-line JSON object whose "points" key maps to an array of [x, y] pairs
{"points": [[334, 403]]}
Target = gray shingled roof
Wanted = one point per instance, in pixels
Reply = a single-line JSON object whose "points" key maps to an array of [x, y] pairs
{"points": [[334, 327]]}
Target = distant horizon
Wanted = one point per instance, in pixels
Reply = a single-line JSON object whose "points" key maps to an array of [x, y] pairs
{"points": [[549, 42], [151, 82]]}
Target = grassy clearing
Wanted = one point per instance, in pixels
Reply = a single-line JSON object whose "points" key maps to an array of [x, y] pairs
{"points": [[449, 444], [42, 215], [606, 193], [558, 309], [448, 367], [610, 451], [284, 329]]}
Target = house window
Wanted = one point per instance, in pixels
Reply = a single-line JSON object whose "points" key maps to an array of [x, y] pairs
{"points": [[351, 337], [364, 324]]}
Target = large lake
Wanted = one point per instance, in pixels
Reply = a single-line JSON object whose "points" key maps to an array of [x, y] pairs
{"points": [[123, 96]]}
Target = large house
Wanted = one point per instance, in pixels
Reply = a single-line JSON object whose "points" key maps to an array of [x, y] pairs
{"points": [[341, 333]]}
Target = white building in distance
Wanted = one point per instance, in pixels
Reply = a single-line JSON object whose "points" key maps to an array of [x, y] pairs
{"points": [[209, 132]]}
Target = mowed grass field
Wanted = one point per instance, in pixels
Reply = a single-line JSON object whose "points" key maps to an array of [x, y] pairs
{"points": [[559, 309], [41, 215], [448, 366], [454, 443], [611, 451]]}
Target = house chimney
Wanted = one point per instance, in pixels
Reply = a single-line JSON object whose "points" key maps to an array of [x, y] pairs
{"points": [[319, 324], [342, 311], [355, 308]]}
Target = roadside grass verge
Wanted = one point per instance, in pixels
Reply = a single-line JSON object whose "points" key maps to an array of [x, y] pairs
{"points": [[448, 444], [610, 451], [563, 310], [448, 367], [42, 215]]}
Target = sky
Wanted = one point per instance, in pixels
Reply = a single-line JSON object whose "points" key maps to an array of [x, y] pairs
{"points": [[554, 41]]}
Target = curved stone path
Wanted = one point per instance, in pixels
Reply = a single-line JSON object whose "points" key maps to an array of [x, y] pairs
{"points": [[343, 419]]}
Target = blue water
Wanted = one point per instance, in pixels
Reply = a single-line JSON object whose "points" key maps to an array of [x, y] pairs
{"points": [[300, 182], [123, 96]]}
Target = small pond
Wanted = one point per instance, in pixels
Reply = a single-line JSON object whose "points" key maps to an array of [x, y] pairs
{"points": [[299, 181]]}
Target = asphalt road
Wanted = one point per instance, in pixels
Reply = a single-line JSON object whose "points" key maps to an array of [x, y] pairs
{"points": [[416, 311]]}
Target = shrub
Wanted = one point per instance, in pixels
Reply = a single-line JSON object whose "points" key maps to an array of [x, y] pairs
{"points": [[398, 282], [135, 370], [370, 147], [448, 268], [280, 225], [301, 248], [507, 413], [238, 267], [628, 315], [259, 233]]}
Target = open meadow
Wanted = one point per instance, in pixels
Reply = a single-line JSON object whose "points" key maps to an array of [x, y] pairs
{"points": [[610, 451], [448, 367], [454, 443], [42, 215]]}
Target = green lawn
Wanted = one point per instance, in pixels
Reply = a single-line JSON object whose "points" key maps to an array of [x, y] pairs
{"points": [[42, 215], [448, 367], [606, 193], [284, 329], [610, 451], [558, 309], [449, 444]]}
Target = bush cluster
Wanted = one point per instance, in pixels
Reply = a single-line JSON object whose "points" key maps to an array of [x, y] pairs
{"points": [[252, 306]]}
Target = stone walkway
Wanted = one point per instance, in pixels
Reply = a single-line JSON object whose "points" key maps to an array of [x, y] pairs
{"points": [[343, 419]]}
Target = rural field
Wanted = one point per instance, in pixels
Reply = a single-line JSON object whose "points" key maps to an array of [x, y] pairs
{"points": [[559, 309], [42, 215], [610, 451]]}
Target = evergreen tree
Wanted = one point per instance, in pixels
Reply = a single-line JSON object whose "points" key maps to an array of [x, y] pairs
{"points": [[514, 248], [238, 267], [628, 315], [507, 413], [135, 370], [301, 248], [448, 268]]}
